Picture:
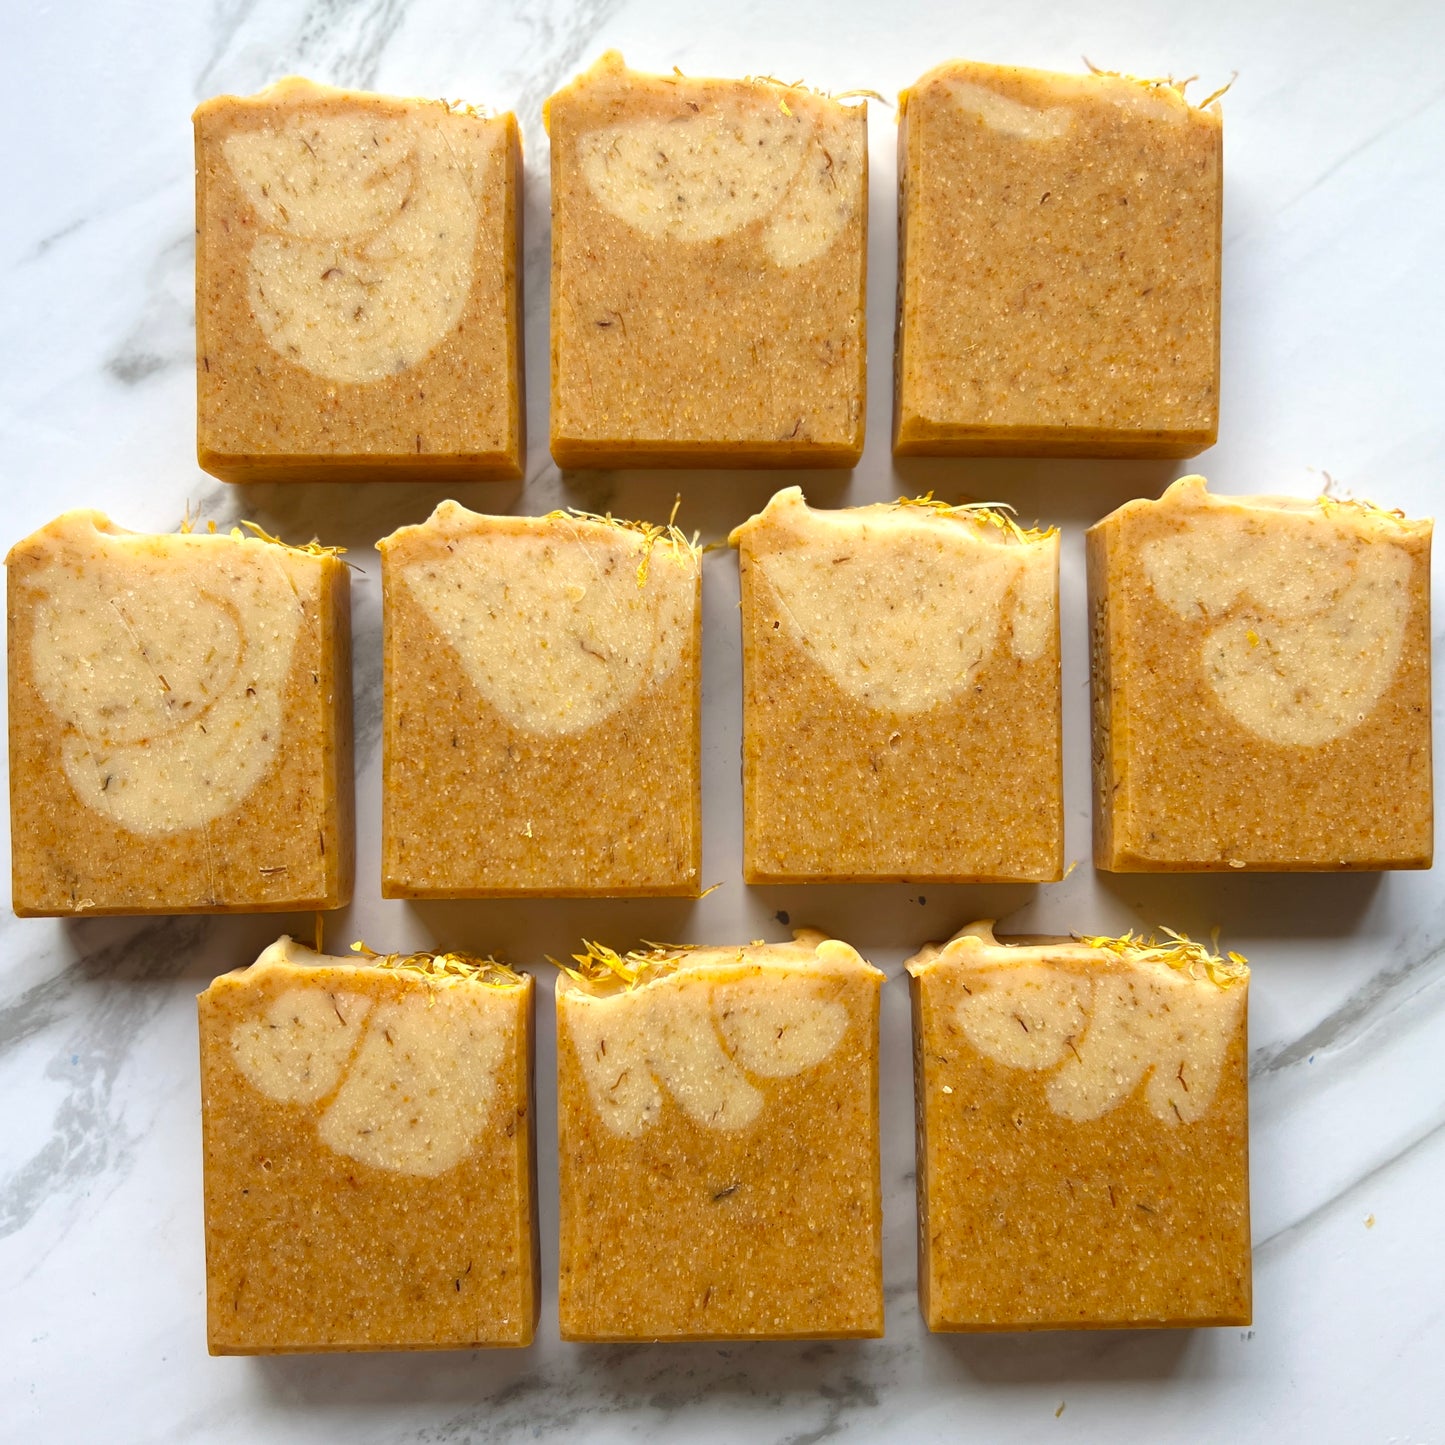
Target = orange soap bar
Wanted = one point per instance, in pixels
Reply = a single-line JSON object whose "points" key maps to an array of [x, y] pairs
{"points": [[1058, 266], [709, 263], [541, 707], [900, 695], [717, 1117], [1261, 682], [1083, 1149], [358, 291], [180, 722], [369, 1154]]}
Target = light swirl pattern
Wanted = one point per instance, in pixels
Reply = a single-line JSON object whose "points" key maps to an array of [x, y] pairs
{"points": [[366, 226], [407, 1082], [166, 668], [704, 175]]}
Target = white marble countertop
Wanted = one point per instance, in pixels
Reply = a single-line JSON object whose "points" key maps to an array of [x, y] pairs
{"points": [[1334, 356]]}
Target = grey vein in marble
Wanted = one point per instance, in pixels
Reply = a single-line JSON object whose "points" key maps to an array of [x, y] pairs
{"points": [[1298, 1228], [1380, 994], [815, 1388], [164, 335], [101, 1004], [340, 41]]}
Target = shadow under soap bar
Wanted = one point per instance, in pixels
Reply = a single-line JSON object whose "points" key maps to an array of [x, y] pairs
{"points": [[718, 1144], [1083, 1145], [1059, 266], [369, 1154], [1261, 685], [180, 722], [358, 306], [709, 244]]}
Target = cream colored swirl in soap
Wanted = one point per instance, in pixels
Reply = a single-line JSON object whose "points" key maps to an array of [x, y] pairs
{"points": [[1098, 1030], [1153, 1023], [165, 660], [296, 1050], [703, 1036], [410, 1079], [781, 1025], [366, 225], [1010, 117], [1027, 1019], [705, 174], [1071, 94], [549, 620], [1305, 616], [901, 606], [632, 1046], [421, 1086]]}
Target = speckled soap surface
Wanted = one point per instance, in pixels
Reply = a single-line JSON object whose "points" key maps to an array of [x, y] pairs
{"points": [[1060, 269], [900, 695], [1083, 1135], [1261, 684], [357, 299], [541, 722], [708, 272], [717, 1145], [370, 1174], [1330, 362], [180, 710]]}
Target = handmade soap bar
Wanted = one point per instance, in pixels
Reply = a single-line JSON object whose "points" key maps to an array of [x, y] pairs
{"points": [[1261, 674], [900, 694], [1058, 266], [709, 242], [1083, 1158], [180, 722], [358, 308], [369, 1154], [717, 1115], [541, 717]]}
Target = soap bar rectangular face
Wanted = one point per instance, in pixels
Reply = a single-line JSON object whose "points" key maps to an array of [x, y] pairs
{"points": [[1058, 266], [180, 722], [358, 309], [369, 1154], [709, 243], [542, 701], [1083, 1146], [900, 695], [1261, 676], [718, 1144]]}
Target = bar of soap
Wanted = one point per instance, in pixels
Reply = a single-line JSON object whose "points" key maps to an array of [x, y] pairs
{"points": [[901, 697], [369, 1154], [180, 722], [709, 260], [1261, 684], [717, 1145], [542, 703], [358, 292], [1083, 1153], [1058, 266]]}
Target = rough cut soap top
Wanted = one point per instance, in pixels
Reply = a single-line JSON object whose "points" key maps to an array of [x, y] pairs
{"points": [[1059, 265], [708, 269]]}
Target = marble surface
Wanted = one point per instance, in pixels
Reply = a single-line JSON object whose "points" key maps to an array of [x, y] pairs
{"points": [[1333, 359]]}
